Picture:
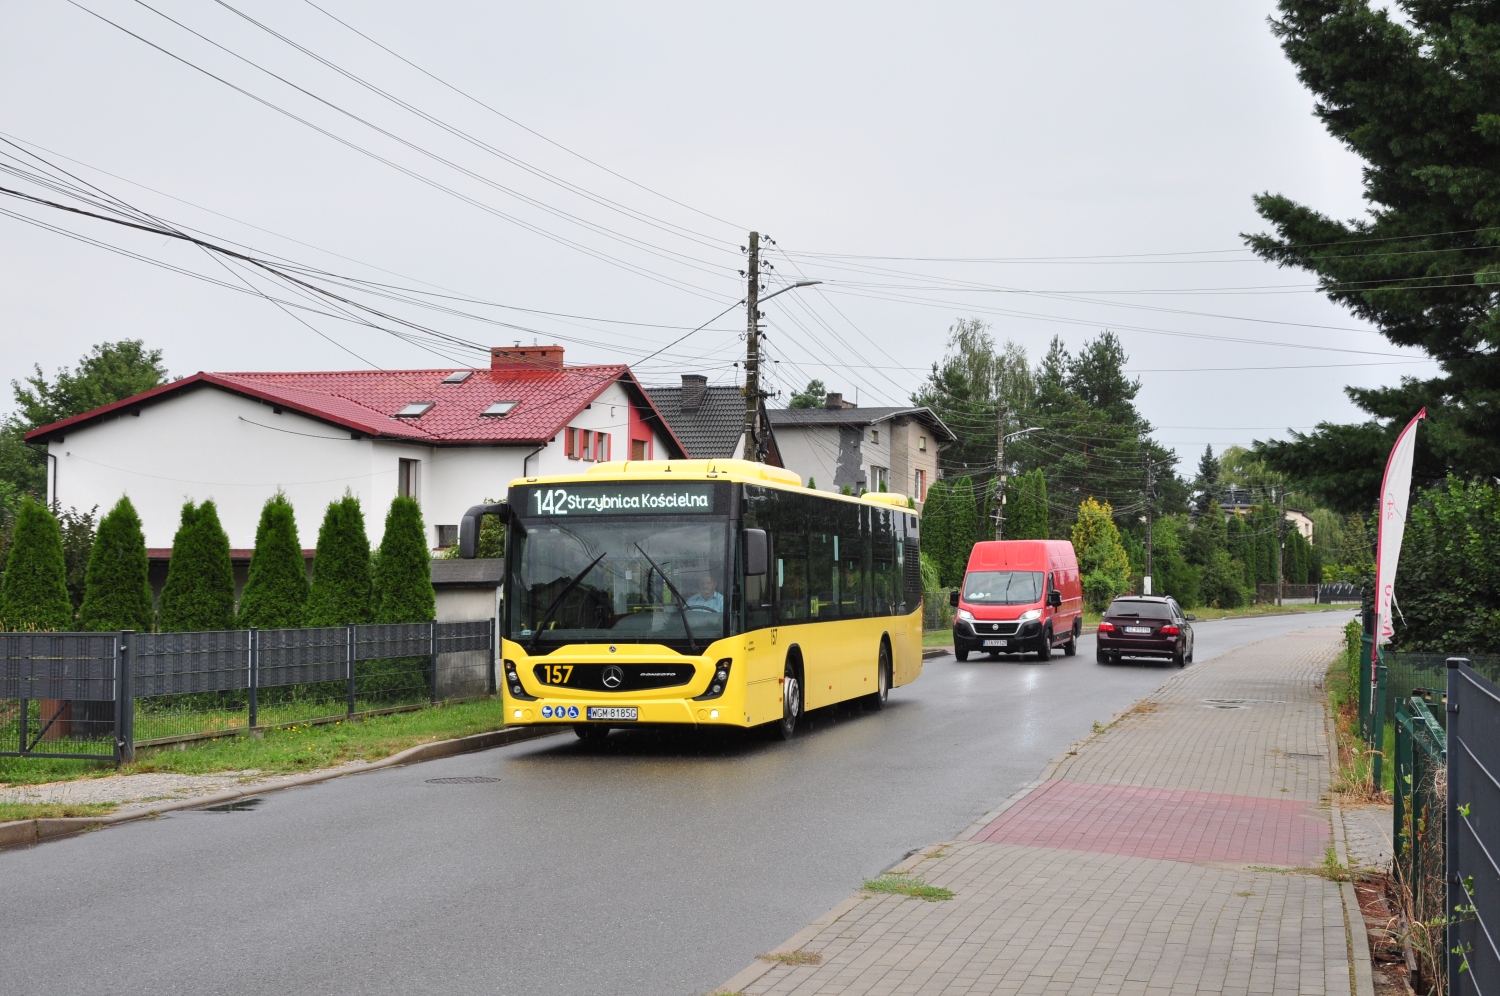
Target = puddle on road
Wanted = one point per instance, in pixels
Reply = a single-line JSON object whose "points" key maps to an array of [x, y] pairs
{"points": [[235, 806]]}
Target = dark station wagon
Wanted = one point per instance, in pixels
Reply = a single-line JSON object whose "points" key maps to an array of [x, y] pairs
{"points": [[1149, 626]]}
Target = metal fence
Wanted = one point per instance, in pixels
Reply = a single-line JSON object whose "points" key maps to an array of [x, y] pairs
{"points": [[936, 612], [1420, 806], [1473, 830], [99, 695]]}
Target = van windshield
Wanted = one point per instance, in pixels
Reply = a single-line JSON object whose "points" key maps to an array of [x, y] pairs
{"points": [[1003, 587]]}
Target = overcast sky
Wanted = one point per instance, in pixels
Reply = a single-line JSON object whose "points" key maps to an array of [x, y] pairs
{"points": [[912, 135]]}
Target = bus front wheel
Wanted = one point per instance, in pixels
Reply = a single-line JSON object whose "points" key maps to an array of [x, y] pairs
{"points": [[791, 703]]}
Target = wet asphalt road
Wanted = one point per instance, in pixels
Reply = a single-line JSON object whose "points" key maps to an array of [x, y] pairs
{"points": [[649, 865]]}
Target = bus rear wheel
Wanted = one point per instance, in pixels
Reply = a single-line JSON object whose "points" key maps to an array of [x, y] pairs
{"points": [[876, 700], [590, 732]]}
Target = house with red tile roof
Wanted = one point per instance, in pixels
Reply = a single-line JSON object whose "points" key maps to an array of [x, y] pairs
{"points": [[450, 437]]}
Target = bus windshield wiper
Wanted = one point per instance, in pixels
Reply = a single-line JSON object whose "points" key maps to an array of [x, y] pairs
{"points": [[681, 602], [536, 634]]}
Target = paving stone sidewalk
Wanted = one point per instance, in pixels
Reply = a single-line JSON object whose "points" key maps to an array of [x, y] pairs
{"points": [[1171, 853]]}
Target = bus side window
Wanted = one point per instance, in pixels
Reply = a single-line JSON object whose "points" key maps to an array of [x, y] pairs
{"points": [[789, 538], [822, 578], [853, 588], [911, 562], [883, 576]]}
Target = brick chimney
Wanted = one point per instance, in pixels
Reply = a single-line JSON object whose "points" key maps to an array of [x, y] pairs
{"points": [[518, 358], [837, 401], [694, 387]]}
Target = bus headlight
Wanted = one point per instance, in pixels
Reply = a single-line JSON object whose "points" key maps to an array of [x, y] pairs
{"points": [[513, 681], [718, 682]]}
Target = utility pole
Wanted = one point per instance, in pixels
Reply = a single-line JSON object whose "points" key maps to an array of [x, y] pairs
{"points": [[1280, 536], [1000, 471], [752, 354], [1150, 504]]}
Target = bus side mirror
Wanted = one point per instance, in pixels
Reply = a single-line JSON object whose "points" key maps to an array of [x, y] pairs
{"points": [[953, 598], [1054, 598], [468, 527], [757, 553]]}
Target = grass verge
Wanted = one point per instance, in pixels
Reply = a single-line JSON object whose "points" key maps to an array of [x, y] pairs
{"points": [[53, 810], [906, 885], [1355, 783], [295, 749], [793, 958]]}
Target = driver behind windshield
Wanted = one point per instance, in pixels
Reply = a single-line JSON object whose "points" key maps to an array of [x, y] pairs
{"points": [[707, 597]]}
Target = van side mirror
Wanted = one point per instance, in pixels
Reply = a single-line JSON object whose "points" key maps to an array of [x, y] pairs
{"points": [[468, 527], [757, 551], [953, 598], [1054, 598]]}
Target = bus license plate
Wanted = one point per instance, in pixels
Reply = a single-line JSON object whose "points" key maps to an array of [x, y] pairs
{"points": [[997, 643], [1140, 630], [630, 713]]}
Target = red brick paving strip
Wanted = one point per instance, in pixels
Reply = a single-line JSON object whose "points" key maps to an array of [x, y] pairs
{"points": [[1171, 824]]}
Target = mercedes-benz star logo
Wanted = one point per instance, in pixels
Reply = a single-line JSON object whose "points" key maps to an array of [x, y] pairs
{"points": [[613, 676]]}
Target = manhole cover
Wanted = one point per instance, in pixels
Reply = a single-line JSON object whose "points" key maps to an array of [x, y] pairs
{"points": [[463, 780]]}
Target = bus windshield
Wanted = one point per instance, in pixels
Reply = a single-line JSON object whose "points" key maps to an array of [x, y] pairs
{"points": [[612, 580], [1002, 587]]}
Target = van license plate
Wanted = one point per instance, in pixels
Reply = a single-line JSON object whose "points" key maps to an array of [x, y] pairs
{"points": [[1139, 630], [997, 643], [630, 713]]}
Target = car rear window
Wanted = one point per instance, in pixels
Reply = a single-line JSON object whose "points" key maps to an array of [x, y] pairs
{"points": [[1141, 610]]}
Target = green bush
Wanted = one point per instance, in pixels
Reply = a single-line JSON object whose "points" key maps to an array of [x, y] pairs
{"points": [[1102, 560], [275, 595], [403, 572], [117, 587], [1221, 582], [341, 586], [1448, 581], [930, 581], [1172, 574], [199, 592], [34, 592]]}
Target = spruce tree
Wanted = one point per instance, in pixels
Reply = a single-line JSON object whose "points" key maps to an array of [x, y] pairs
{"points": [[34, 591], [199, 592], [341, 583], [403, 573], [935, 531], [117, 589], [275, 595]]}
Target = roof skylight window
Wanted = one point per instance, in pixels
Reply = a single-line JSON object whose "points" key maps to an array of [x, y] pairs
{"points": [[415, 410], [499, 409], [458, 376]]}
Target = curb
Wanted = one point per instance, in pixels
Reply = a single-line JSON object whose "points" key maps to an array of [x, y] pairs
{"points": [[1356, 933], [25, 832], [761, 966]]}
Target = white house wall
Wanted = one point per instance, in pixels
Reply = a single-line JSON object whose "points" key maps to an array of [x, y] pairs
{"points": [[810, 452], [208, 443]]}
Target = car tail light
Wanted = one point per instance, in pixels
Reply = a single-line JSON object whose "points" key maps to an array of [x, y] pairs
{"points": [[1170, 631], [1106, 627]]}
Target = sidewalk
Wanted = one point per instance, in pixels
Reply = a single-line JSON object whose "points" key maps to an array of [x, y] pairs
{"points": [[1154, 857]]}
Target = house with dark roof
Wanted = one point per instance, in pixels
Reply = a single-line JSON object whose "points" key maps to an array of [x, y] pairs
{"points": [[708, 420], [842, 445], [449, 438]]}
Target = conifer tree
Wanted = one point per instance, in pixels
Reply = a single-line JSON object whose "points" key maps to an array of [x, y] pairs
{"points": [[963, 527], [275, 595], [34, 592], [1026, 507], [935, 529], [403, 573], [117, 587], [199, 592], [341, 583]]}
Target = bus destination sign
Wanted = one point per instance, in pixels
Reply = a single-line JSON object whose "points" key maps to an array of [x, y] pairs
{"points": [[621, 499]]}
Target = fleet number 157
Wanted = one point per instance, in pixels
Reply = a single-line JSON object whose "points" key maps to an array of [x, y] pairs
{"points": [[558, 674]]}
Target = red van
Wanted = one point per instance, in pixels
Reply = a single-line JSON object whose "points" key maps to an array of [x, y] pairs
{"points": [[1019, 596]]}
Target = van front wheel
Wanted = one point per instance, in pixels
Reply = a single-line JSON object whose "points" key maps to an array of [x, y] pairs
{"points": [[1070, 649], [1044, 652]]}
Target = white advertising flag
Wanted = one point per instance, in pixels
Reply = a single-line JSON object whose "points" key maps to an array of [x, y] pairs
{"points": [[1395, 495]]}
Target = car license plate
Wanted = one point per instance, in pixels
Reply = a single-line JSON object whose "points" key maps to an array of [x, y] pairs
{"points": [[997, 643], [1140, 630], [630, 713]]}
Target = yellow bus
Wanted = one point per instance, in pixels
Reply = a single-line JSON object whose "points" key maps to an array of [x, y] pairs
{"points": [[702, 593]]}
